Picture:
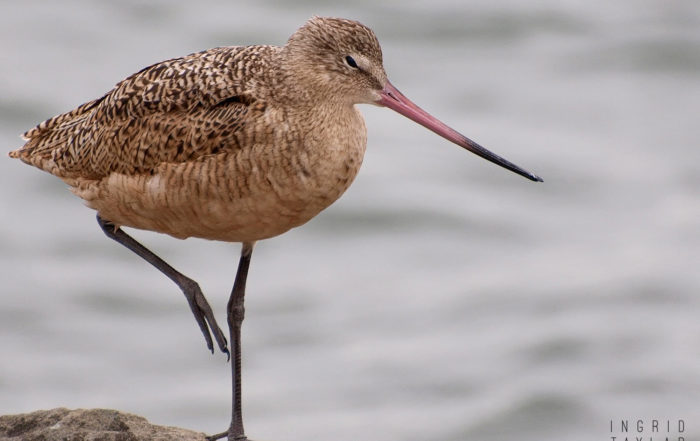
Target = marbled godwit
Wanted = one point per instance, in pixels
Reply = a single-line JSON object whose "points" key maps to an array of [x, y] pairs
{"points": [[233, 143]]}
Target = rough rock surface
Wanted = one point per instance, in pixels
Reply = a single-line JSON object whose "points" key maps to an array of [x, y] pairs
{"points": [[87, 425]]}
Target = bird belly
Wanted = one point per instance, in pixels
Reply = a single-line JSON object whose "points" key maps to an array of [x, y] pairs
{"points": [[248, 196]]}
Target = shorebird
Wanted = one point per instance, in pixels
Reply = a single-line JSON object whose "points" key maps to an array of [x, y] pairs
{"points": [[236, 144]]}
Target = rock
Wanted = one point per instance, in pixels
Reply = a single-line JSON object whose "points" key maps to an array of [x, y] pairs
{"points": [[88, 425]]}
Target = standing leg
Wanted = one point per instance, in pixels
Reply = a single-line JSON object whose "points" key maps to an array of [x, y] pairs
{"points": [[198, 303], [235, 313]]}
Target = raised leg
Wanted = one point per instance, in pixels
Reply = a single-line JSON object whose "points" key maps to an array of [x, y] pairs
{"points": [[198, 303], [235, 314]]}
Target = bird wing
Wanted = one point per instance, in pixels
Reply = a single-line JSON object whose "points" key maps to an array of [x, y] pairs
{"points": [[173, 111]]}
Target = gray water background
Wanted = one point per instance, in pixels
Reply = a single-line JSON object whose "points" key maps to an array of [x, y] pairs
{"points": [[441, 297]]}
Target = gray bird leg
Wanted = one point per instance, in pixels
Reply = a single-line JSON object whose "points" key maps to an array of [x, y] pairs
{"points": [[235, 314], [198, 303]]}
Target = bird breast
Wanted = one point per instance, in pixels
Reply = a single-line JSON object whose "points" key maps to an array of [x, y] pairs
{"points": [[258, 191]]}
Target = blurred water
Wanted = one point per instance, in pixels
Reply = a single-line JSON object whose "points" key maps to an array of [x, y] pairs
{"points": [[441, 298]]}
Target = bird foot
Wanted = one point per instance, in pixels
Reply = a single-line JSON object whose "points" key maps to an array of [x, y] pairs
{"points": [[204, 315], [226, 435]]}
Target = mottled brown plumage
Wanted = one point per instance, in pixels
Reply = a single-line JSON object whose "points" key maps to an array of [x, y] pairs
{"points": [[233, 143]]}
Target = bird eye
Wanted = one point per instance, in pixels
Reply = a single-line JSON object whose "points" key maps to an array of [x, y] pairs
{"points": [[351, 62]]}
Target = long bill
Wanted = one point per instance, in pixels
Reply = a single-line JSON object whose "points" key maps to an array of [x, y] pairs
{"points": [[395, 100]]}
